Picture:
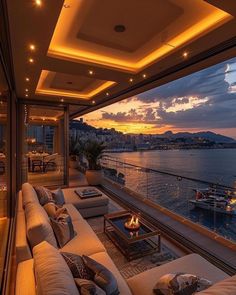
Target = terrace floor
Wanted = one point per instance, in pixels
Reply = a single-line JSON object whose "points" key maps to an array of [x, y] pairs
{"points": [[206, 242]]}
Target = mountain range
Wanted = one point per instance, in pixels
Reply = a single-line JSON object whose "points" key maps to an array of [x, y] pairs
{"points": [[218, 138]]}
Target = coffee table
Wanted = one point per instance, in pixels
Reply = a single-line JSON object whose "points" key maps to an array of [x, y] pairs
{"points": [[133, 244]]}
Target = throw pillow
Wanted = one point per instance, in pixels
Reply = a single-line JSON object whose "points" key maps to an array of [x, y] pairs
{"points": [[77, 266], [180, 284], [63, 229], [58, 197], [51, 209], [102, 276], [44, 195], [88, 287]]}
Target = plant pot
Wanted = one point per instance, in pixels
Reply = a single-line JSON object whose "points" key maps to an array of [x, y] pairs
{"points": [[73, 164], [94, 177]]}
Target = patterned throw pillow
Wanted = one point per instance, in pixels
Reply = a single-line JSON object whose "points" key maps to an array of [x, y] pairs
{"points": [[53, 210], [180, 284], [58, 197], [88, 287], [102, 276], [77, 266], [63, 228], [44, 195]]}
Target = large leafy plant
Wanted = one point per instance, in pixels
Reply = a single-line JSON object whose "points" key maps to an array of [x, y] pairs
{"points": [[93, 152], [75, 147]]}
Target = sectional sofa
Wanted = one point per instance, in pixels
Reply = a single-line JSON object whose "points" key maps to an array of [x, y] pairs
{"points": [[42, 270]]}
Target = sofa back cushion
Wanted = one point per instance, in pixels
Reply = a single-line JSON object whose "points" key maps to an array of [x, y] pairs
{"points": [[52, 274], [28, 194], [38, 225]]}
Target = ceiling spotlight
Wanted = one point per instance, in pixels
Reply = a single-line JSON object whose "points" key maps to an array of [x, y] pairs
{"points": [[26, 95], [91, 72], [26, 89], [185, 54], [144, 76], [131, 80], [32, 47], [62, 100], [38, 2], [93, 102], [31, 60], [107, 93], [27, 79]]}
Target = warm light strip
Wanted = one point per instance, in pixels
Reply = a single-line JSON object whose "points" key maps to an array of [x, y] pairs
{"points": [[46, 91], [56, 50]]}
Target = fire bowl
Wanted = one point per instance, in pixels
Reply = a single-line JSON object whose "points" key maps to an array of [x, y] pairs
{"points": [[132, 224]]}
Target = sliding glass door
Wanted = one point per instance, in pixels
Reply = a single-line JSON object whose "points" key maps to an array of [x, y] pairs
{"points": [[44, 145]]}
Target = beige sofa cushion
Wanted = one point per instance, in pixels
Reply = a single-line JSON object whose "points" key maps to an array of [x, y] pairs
{"points": [[28, 194], [104, 259], [38, 225], [85, 242], [25, 281], [225, 287], [22, 248], [53, 276], [193, 264]]}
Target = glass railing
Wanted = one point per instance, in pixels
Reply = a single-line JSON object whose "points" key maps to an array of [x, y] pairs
{"points": [[205, 203]]}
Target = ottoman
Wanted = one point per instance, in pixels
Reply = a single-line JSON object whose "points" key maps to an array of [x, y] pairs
{"points": [[88, 207]]}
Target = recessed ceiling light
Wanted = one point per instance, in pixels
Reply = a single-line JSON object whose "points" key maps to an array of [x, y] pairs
{"points": [[185, 54], [31, 60], [93, 102], [38, 2], [32, 47], [144, 76], [26, 89], [91, 72], [27, 79], [119, 28], [26, 95], [62, 99], [107, 94], [131, 80]]}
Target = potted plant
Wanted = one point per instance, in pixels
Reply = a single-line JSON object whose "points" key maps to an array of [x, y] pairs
{"points": [[74, 151], [93, 151]]}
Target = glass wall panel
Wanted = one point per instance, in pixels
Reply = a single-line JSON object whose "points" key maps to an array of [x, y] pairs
{"points": [[4, 170], [43, 146]]}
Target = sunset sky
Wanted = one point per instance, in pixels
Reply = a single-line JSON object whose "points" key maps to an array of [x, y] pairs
{"points": [[205, 100]]}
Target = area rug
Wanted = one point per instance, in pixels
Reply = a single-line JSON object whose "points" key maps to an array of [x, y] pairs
{"points": [[129, 268]]}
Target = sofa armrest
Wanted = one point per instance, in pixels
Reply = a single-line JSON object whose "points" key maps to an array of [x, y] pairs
{"points": [[22, 248], [25, 280]]}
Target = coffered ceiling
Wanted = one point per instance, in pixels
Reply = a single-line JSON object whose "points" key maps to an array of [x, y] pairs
{"points": [[88, 52]]}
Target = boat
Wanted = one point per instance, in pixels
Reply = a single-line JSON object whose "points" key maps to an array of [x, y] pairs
{"points": [[215, 200]]}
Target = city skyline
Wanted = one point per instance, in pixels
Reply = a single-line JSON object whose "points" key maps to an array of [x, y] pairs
{"points": [[202, 101]]}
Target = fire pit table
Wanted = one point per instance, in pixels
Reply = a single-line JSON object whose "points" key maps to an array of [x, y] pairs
{"points": [[134, 241]]}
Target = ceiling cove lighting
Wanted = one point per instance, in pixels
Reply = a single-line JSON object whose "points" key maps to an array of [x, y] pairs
{"points": [[60, 48], [43, 88]]}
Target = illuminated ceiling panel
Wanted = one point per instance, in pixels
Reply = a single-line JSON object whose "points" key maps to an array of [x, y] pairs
{"points": [[86, 30], [49, 80]]}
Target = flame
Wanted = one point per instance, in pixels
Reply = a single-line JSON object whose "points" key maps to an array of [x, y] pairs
{"points": [[134, 221]]}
